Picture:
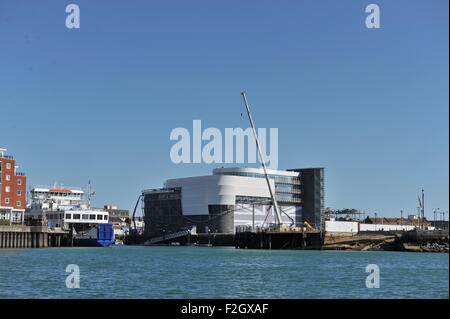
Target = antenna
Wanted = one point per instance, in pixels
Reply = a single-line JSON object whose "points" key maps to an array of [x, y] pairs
{"points": [[263, 163], [90, 193], [423, 209], [435, 210]]}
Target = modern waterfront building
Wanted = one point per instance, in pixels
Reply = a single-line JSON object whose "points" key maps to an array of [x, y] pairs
{"points": [[12, 190], [231, 197]]}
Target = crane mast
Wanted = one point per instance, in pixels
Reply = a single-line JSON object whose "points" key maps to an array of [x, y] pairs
{"points": [[277, 214]]}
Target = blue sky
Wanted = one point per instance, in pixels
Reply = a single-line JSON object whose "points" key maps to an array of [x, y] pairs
{"points": [[99, 102]]}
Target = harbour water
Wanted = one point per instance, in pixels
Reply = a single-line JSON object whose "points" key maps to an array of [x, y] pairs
{"points": [[213, 272]]}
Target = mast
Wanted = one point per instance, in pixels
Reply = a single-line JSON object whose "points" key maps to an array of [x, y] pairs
{"points": [[423, 209], [263, 163], [418, 213], [90, 193]]}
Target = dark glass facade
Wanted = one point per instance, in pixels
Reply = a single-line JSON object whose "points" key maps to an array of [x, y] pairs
{"points": [[163, 214], [313, 194]]}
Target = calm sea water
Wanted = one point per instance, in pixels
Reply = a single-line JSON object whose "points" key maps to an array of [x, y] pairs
{"points": [[205, 272]]}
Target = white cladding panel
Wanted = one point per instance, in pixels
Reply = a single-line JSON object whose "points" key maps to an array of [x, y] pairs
{"points": [[250, 170], [384, 227], [199, 192], [262, 215], [353, 227], [341, 226]]}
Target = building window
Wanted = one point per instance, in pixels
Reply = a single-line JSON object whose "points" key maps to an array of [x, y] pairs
{"points": [[76, 216], [8, 165], [85, 216], [91, 216], [19, 192], [18, 203], [8, 177], [68, 216], [99, 217], [19, 182], [7, 189], [105, 217], [6, 200]]}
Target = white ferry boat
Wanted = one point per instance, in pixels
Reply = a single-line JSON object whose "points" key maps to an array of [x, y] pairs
{"points": [[65, 208]]}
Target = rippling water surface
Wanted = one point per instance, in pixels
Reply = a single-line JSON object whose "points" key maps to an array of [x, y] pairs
{"points": [[205, 272]]}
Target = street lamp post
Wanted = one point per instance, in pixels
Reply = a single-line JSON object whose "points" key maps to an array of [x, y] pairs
{"points": [[401, 219], [435, 210]]}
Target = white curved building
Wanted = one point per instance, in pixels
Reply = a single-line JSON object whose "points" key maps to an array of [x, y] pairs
{"points": [[228, 198]]}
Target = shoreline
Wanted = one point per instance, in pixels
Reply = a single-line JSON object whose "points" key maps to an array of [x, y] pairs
{"points": [[386, 242]]}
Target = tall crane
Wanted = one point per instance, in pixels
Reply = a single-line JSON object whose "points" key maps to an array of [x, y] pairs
{"points": [[278, 221], [134, 213]]}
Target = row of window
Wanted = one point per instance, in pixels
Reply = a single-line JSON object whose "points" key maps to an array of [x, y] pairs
{"points": [[258, 175], [8, 178], [162, 196], [87, 216], [252, 199], [287, 195], [55, 194], [18, 203], [8, 189]]}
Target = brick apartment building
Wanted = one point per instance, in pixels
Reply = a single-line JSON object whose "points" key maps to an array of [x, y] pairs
{"points": [[12, 190]]}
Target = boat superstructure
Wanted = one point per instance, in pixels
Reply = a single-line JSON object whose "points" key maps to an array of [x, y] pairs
{"points": [[61, 208], [66, 208]]}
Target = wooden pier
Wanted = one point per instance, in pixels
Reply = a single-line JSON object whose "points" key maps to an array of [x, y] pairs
{"points": [[19, 236], [284, 238]]}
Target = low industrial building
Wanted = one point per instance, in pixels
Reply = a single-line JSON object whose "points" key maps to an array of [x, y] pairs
{"points": [[120, 220], [232, 197], [376, 225], [115, 212]]}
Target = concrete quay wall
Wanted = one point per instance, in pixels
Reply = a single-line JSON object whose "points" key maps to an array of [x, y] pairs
{"points": [[20, 236]]}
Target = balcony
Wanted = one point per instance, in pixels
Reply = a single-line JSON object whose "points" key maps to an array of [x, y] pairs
{"points": [[287, 190], [288, 200], [290, 181]]}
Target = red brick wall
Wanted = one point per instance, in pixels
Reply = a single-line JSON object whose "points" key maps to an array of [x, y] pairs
{"points": [[14, 186]]}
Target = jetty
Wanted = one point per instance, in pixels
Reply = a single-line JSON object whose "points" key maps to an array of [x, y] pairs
{"points": [[409, 241], [21, 236], [278, 238]]}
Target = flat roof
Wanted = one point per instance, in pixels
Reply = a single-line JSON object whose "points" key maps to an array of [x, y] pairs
{"points": [[51, 190], [252, 170]]}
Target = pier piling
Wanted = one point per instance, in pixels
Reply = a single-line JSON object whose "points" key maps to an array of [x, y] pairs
{"points": [[19, 236], [286, 239]]}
